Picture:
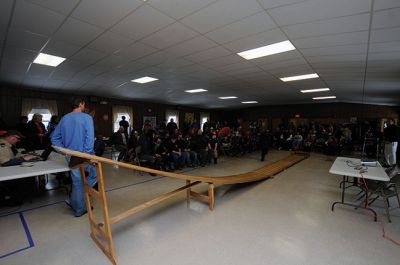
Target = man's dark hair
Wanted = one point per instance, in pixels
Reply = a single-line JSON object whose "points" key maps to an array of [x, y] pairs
{"points": [[76, 101], [123, 117]]}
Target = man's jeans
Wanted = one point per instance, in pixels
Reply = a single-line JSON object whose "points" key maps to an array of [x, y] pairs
{"points": [[77, 195], [390, 153]]}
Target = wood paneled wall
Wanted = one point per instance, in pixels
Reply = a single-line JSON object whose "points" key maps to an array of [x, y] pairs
{"points": [[11, 98], [10, 109]]}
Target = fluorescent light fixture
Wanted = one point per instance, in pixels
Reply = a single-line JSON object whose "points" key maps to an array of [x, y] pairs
{"points": [[145, 79], [299, 77], [314, 90], [199, 90], [230, 97], [49, 60], [249, 102], [318, 98], [275, 48]]}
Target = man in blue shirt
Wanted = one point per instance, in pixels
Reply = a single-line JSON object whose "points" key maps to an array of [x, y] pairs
{"points": [[76, 132]]}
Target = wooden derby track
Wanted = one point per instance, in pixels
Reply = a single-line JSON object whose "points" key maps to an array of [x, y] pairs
{"points": [[101, 231]]}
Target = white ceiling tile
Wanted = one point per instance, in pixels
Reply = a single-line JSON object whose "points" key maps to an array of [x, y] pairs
{"points": [[329, 26], [318, 10], [223, 61], [3, 33], [208, 54], [234, 66], [14, 66], [26, 40], [391, 46], [179, 8], [113, 61], [61, 6], [169, 36], [284, 71], [337, 58], [332, 40], [143, 22], [12, 52], [60, 48], [335, 50], [38, 70], [69, 33], [246, 27], [88, 56], [104, 13], [11, 78], [386, 18], [262, 39], [384, 4], [33, 82], [191, 46], [384, 56], [382, 35], [36, 19], [156, 58], [275, 3], [5, 11], [221, 13], [110, 42], [136, 50], [53, 83]]}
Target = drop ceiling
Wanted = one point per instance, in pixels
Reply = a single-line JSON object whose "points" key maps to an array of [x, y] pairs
{"points": [[353, 45]]}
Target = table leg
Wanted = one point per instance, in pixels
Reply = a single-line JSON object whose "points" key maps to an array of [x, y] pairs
{"points": [[349, 204]]}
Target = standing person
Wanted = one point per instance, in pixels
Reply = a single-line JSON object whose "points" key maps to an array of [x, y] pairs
{"points": [[264, 143], [171, 127], [36, 133], [52, 124], [213, 147], [124, 123], [76, 132], [391, 138]]}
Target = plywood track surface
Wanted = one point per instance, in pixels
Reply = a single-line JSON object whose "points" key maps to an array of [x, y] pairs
{"points": [[255, 175]]}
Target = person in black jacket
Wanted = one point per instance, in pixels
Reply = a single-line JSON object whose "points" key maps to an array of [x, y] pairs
{"points": [[391, 139], [265, 141], [120, 140]]}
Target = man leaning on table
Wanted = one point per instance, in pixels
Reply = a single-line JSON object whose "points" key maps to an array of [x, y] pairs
{"points": [[76, 132], [12, 192], [8, 151]]}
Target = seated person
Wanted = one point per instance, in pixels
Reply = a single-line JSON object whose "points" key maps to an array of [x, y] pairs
{"points": [[99, 145], [120, 140], [175, 153], [12, 190]]}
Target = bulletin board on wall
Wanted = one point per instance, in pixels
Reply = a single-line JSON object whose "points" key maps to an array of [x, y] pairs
{"points": [[189, 117]]}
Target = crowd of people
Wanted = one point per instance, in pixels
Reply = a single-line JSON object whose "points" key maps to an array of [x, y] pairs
{"points": [[170, 147]]}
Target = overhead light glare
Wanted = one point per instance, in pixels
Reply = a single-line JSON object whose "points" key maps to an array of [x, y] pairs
{"points": [[145, 79], [319, 98], [199, 90], [314, 90], [250, 102], [230, 97], [49, 60], [299, 77], [271, 49]]}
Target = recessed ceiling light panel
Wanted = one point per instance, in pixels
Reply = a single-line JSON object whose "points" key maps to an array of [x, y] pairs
{"points": [[299, 77], [250, 102], [49, 60], [314, 90], [271, 49], [320, 98], [229, 97], [199, 90], [145, 79]]}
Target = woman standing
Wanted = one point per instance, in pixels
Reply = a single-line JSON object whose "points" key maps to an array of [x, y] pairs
{"points": [[36, 133]]}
